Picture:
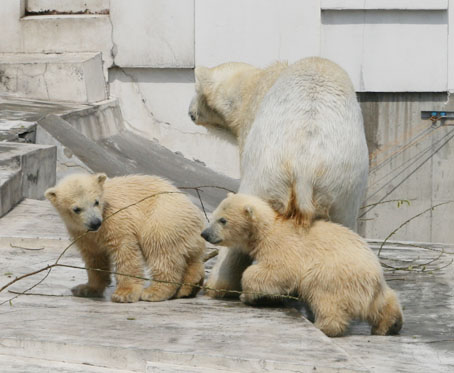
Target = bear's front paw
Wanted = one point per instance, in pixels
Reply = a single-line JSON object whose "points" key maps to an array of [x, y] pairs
{"points": [[157, 293], [248, 299], [127, 294], [84, 290]]}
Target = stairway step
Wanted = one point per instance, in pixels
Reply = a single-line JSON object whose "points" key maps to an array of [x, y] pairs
{"points": [[26, 171], [74, 77]]}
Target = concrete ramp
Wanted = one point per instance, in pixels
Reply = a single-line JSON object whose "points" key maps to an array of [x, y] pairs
{"points": [[126, 153]]}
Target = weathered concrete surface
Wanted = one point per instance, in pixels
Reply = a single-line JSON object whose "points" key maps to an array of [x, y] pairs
{"points": [[202, 335], [154, 41], [74, 77], [26, 171], [18, 117]]}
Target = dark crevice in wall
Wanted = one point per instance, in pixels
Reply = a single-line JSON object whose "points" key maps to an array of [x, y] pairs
{"points": [[50, 12]]}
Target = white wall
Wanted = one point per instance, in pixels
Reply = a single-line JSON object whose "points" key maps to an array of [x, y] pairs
{"points": [[152, 46]]}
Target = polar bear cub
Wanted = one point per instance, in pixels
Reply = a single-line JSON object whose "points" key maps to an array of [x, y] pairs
{"points": [[161, 232], [330, 267]]}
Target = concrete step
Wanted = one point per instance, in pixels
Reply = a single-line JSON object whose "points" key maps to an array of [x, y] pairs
{"points": [[74, 77], [26, 171]]}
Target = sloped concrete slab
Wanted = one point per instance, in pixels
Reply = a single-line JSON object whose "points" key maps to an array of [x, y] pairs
{"points": [[127, 153], [48, 76]]}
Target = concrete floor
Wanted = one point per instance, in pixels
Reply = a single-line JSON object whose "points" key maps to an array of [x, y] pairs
{"points": [[58, 332]]}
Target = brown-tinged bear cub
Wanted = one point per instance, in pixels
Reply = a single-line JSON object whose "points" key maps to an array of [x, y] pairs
{"points": [[162, 232], [328, 266]]}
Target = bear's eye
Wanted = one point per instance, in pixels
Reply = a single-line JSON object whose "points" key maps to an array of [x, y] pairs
{"points": [[77, 210], [96, 203], [222, 221]]}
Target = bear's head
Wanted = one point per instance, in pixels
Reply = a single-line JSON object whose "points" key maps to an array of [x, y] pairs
{"points": [[238, 221], [218, 94], [78, 198]]}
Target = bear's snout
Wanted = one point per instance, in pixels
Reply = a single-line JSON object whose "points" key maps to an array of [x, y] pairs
{"points": [[210, 237], [192, 116], [94, 224]]}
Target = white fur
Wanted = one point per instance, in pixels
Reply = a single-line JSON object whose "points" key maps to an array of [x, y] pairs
{"points": [[310, 125]]}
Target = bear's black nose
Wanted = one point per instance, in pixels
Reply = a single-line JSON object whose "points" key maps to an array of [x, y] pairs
{"points": [[206, 235], [192, 116], [94, 225]]}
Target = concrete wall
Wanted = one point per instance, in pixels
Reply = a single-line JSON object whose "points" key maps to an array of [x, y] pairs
{"points": [[150, 47], [403, 151]]}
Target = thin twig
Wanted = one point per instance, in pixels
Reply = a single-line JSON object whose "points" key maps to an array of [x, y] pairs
{"points": [[39, 294], [25, 248], [401, 201], [408, 221], [202, 287], [201, 203]]}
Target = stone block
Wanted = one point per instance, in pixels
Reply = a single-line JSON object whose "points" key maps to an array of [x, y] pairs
{"points": [[75, 77], [255, 31], [153, 33], [26, 171]]}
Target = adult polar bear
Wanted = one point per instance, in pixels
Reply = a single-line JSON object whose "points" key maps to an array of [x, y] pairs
{"points": [[301, 138]]}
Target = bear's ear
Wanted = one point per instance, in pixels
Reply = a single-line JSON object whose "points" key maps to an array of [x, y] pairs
{"points": [[230, 194], [51, 194], [202, 78], [249, 211], [202, 73], [101, 178]]}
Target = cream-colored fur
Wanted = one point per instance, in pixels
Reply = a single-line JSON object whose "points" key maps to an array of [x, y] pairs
{"points": [[161, 233], [301, 138], [330, 267]]}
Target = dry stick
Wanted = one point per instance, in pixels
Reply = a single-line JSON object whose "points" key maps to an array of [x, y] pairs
{"points": [[202, 287], [26, 248], [401, 201], [39, 294], [408, 221], [410, 266], [211, 255]]}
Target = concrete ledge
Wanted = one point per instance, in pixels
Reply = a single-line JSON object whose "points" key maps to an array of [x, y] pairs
{"points": [[26, 171], [48, 76]]}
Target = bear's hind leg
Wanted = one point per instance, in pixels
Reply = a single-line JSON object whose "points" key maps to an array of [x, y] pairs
{"points": [[329, 316], [167, 270], [386, 319], [195, 273], [97, 280], [128, 260], [226, 274]]}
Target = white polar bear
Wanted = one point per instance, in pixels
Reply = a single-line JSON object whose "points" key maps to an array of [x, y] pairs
{"points": [[301, 137]]}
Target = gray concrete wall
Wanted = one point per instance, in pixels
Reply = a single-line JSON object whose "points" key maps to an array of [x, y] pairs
{"points": [[402, 147]]}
